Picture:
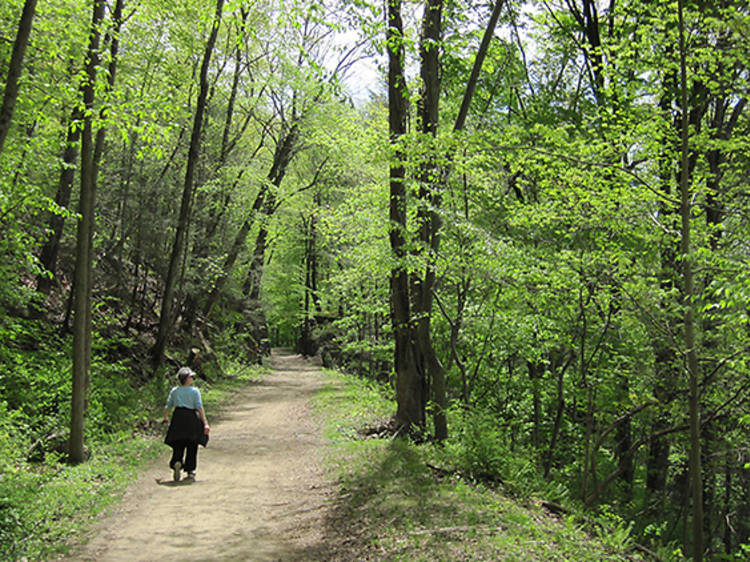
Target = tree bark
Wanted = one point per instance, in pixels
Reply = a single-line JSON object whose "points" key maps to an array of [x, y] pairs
{"points": [[696, 482], [556, 425], [51, 248], [265, 204], [428, 218], [15, 67], [471, 85], [409, 382], [180, 241], [283, 155], [82, 302]]}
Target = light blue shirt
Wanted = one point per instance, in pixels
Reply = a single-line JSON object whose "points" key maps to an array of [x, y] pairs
{"points": [[184, 397]]}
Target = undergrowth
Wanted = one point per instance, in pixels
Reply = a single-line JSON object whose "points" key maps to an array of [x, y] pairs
{"points": [[469, 499]]}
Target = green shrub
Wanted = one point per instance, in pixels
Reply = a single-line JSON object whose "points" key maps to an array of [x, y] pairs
{"points": [[481, 449]]}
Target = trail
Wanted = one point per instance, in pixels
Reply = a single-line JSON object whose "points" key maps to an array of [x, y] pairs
{"points": [[259, 492]]}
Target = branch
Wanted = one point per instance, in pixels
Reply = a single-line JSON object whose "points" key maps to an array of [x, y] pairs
{"points": [[715, 414], [736, 112], [302, 189], [637, 445], [576, 13], [474, 76], [720, 364], [605, 166], [618, 421]]}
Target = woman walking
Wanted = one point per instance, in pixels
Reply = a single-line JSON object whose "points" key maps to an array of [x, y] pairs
{"points": [[188, 427]]}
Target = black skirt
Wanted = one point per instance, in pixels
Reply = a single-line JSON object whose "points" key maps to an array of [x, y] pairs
{"points": [[186, 425]]}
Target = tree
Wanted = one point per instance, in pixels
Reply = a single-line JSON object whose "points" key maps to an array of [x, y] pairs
{"points": [[410, 384], [688, 300], [413, 301], [83, 276], [10, 93], [183, 221]]}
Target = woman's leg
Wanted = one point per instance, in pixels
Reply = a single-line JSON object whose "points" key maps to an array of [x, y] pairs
{"points": [[178, 450], [191, 457]]}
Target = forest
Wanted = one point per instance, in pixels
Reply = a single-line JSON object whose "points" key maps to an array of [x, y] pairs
{"points": [[528, 219]]}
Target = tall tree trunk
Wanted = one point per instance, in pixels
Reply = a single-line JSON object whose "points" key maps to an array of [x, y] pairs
{"points": [[113, 36], [431, 237], [215, 214], [306, 345], [15, 67], [415, 360], [409, 382], [696, 482], [471, 85], [429, 220], [81, 321], [180, 241]]}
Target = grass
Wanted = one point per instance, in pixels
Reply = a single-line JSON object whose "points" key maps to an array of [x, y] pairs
{"points": [[390, 505], [45, 506]]}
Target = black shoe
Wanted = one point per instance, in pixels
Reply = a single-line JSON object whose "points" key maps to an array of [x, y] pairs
{"points": [[176, 468]]}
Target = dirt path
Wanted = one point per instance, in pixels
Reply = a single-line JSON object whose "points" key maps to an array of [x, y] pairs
{"points": [[259, 494]]}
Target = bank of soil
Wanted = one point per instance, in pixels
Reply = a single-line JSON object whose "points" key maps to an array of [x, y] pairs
{"points": [[260, 493]]}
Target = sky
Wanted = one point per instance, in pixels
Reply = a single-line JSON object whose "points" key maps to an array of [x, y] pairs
{"points": [[364, 78]]}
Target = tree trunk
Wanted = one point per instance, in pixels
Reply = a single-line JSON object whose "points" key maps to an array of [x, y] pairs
{"points": [[81, 321], [489, 31], [306, 346], [689, 306], [624, 442], [239, 243], [15, 67], [428, 219], [415, 360], [430, 78], [180, 241], [265, 204], [548, 460], [535, 369], [255, 274], [409, 382], [283, 155], [214, 215], [51, 248]]}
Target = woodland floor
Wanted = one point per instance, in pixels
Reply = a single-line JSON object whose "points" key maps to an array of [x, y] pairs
{"points": [[260, 492]]}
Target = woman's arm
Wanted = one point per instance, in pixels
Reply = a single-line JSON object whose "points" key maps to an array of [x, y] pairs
{"points": [[168, 406], [202, 415]]}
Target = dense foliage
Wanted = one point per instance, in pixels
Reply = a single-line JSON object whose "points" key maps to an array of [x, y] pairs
{"points": [[564, 217]]}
